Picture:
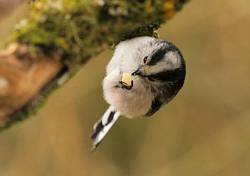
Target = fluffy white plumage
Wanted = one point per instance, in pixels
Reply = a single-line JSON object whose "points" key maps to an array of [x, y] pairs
{"points": [[130, 103], [157, 83]]}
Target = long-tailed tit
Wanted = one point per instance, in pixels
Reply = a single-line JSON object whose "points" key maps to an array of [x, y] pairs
{"points": [[158, 70]]}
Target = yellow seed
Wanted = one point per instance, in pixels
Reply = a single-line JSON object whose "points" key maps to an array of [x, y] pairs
{"points": [[127, 79]]}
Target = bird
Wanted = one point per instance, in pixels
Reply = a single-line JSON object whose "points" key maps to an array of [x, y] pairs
{"points": [[157, 68]]}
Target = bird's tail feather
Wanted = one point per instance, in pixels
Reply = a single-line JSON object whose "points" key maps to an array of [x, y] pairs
{"points": [[103, 125]]}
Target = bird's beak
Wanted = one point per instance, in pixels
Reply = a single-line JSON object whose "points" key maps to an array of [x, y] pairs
{"points": [[138, 72]]}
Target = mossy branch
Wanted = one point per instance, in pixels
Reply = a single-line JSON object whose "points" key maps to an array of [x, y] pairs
{"points": [[59, 37]]}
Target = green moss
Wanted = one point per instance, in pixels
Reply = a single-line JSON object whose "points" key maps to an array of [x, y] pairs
{"points": [[76, 30]]}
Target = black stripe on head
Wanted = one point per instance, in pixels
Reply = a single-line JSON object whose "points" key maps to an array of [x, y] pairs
{"points": [[159, 54], [174, 79], [169, 75]]}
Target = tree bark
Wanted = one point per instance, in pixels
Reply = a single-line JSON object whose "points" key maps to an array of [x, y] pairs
{"points": [[22, 79]]}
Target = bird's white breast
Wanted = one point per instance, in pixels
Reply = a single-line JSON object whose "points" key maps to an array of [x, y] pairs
{"points": [[130, 103]]}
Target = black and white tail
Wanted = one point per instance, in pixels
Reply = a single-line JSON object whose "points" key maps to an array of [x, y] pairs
{"points": [[103, 125]]}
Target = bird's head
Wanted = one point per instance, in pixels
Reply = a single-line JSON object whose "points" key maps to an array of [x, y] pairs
{"points": [[161, 63]]}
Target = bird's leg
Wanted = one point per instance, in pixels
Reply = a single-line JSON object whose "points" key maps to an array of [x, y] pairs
{"points": [[125, 86], [126, 81], [122, 85]]}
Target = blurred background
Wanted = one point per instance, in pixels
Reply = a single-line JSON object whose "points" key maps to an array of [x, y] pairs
{"points": [[204, 131]]}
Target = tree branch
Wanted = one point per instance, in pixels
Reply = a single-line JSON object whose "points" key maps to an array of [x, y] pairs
{"points": [[59, 37]]}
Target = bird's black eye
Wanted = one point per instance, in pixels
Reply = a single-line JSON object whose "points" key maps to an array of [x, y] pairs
{"points": [[145, 59]]}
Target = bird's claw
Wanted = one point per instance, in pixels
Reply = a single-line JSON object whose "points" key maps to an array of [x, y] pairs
{"points": [[123, 85]]}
